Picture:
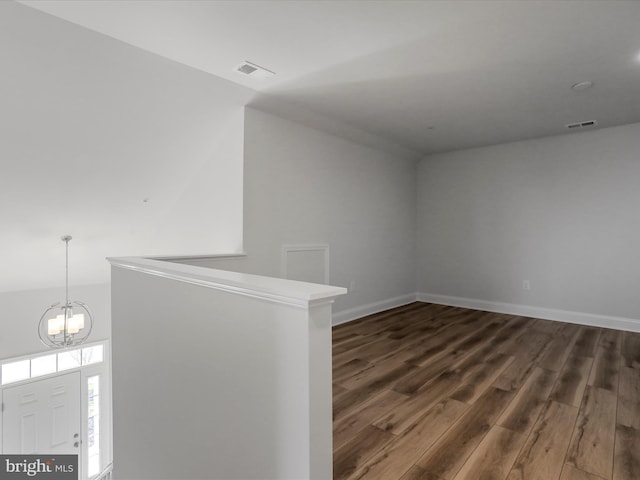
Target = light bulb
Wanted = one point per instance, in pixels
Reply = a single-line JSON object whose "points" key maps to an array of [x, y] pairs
{"points": [[53, 326], [75, 324], [72, 326]]}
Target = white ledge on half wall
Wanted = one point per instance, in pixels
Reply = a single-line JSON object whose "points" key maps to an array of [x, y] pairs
{"points": [[290, 292]]}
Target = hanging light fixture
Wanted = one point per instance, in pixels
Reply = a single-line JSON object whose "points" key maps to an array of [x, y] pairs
{"points": [[68, 324]]}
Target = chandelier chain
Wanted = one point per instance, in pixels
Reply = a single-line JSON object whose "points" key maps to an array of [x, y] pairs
{"points": [[66, 269]]}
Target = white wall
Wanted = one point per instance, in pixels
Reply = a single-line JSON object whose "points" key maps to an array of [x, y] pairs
{"points": [[561, 212], [22, 311], [227, 378], [304, 186], [90, 127]]}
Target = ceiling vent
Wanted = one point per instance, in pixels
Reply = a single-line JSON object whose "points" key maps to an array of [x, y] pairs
{"points": [[255, 71], [588, 123]]}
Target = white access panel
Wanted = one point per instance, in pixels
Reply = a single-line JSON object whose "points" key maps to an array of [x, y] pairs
{"points": [[306, 263]]}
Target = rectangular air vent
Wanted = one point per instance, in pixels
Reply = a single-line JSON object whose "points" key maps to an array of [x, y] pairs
{"points": [[255, 71], [588, 123]]}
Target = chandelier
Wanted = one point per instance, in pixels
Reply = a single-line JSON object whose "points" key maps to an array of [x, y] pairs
{"points": [[68, 324]]}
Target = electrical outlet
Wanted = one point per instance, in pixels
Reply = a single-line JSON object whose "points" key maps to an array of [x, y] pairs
{"points": [[352, 286], [526, 285]]}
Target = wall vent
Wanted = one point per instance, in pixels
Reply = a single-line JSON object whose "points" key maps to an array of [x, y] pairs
{"points": [[588, 123], [252, 70]]}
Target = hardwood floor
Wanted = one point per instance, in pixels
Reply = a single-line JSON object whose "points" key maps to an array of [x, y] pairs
{"points": [[442, 393]]}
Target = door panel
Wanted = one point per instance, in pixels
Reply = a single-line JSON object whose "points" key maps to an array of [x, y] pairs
{"points": [[43, 417], [29, 429]]}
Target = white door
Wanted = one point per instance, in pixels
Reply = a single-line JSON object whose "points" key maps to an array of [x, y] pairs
{"points": [[43, 417]]}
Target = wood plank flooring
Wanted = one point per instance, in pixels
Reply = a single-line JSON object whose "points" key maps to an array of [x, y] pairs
{"points": [[443, 393]]}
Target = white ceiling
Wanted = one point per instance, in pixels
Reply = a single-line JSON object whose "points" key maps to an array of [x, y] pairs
{"points": [[429, 76], [432, 76]]}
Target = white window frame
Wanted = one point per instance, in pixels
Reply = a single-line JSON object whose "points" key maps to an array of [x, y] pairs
{"points": [[103, 369]]}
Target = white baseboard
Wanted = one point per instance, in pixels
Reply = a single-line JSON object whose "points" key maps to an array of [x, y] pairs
{"points": [[364, 310], [617, 323]]}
